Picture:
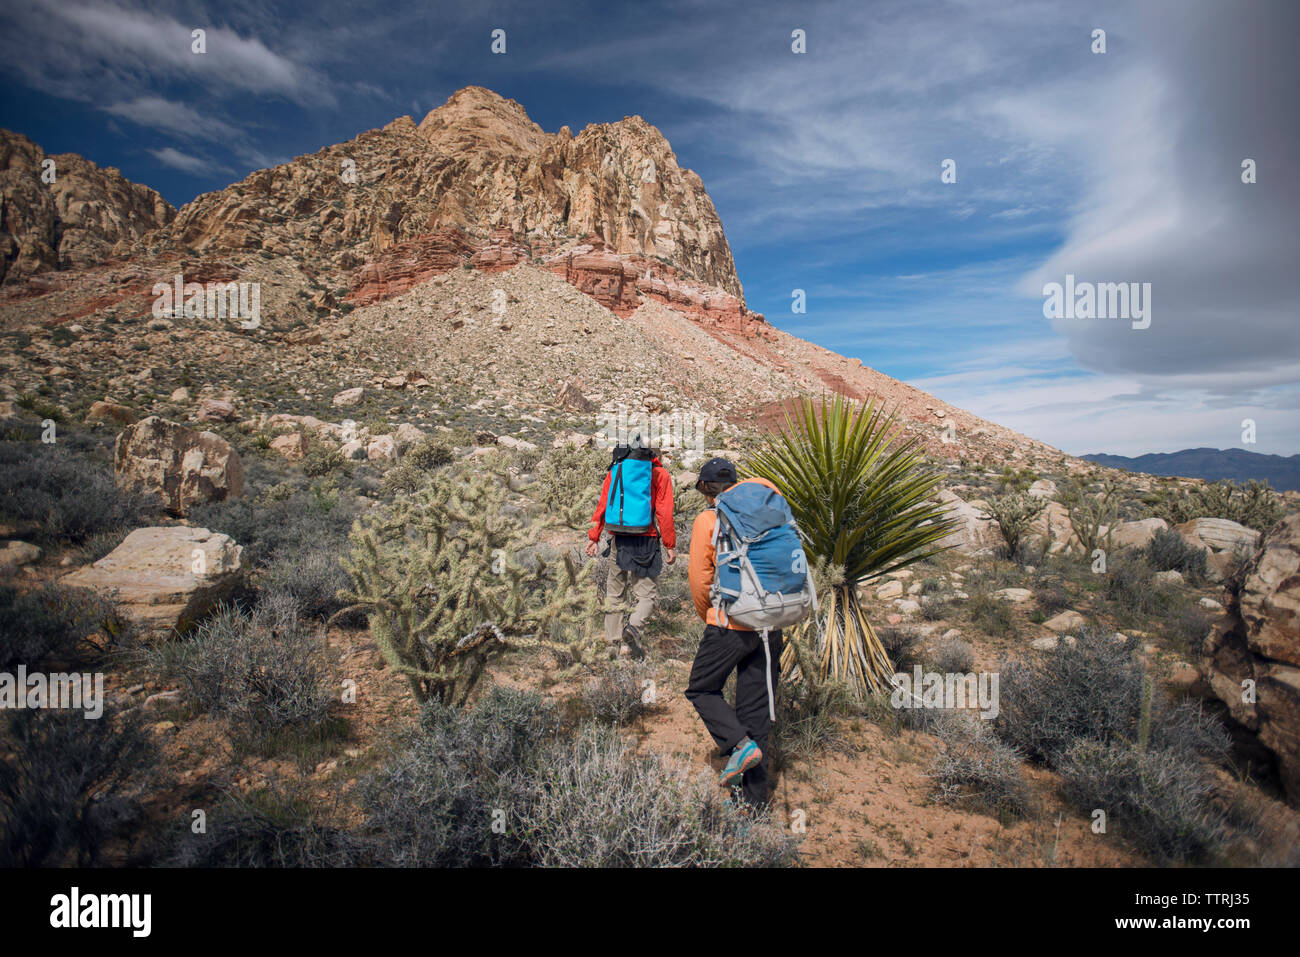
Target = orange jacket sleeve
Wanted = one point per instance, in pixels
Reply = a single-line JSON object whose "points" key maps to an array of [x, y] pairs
{"points": [[700, 569], [661, 494], [598, 517]]}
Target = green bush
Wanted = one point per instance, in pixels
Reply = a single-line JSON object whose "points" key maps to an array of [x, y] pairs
{"points": [[569, 482]]}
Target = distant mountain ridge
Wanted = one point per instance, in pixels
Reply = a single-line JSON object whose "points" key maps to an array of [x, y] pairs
{"points": [[1281, 472]]}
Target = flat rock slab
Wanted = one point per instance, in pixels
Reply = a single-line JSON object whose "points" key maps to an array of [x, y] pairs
{"points": [[165, 578]]}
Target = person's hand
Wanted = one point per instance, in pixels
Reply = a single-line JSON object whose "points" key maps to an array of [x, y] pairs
{"points": [[672, 555], [591, 548]]}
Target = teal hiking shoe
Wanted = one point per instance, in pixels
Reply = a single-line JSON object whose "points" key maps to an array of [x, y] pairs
{"points": [[743, 757]]}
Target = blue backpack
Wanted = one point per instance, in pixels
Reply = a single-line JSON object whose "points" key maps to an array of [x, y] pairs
{"points": [[762, 579], [628, 509]]}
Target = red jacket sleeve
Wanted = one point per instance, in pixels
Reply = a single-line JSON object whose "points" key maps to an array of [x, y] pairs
{"points": [[661, 497], [598, 517]]}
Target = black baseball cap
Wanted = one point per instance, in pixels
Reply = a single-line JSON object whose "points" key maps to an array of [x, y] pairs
{"points": [[716, 470]]}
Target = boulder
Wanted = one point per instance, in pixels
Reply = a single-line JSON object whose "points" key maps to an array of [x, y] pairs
{"points": [[109, 411], [519, 445], [1218, 534], [1137, 534], [349, 396], [1258, 641], [216, 410], [889, 590], [17, 554], [973, 533], [573, 440], [406, 435], [353, 451], [177, 465], [1014, 595], [571, 399], [1065, 621], [382, 448], [165, 579], [1171, 577], [1043, 488], [293, 445]]}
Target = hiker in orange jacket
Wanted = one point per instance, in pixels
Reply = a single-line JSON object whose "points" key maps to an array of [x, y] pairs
{"points": [[741, 732], [635, 561]]}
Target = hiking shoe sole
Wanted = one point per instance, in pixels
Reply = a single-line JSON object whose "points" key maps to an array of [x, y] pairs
{"points": [[729, 778]]}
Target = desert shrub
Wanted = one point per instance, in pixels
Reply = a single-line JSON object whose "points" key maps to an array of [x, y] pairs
{"points": [[991, 615], [313, 578], [1187, 625], [279, 825], [808, 718], [1089, 512], [568, 483], [901, 643], [1095, 690], [617, 696], [581, 799], [321, 460], [954, 656], [594, 803], [432, 803], [440, 578], [1159, 799], [260, 670], [280, 527], [430, 452], [68, 496], [403, 477], [1014, 513], [976, 765], [1091, 689], [1050, 595], [1254, 504], [51, 624], [69, 784], [1169, 551], [1129, 585]]}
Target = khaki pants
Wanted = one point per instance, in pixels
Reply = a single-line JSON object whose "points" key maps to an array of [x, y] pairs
{"points": [[617, 589]]}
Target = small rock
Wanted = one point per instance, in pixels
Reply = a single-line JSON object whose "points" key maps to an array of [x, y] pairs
{"points": [[1211, 604], [889, 590], [1046, 643], [349, 396], [1171, 577], [17, 554], [1016, 595], [1065, 621]]}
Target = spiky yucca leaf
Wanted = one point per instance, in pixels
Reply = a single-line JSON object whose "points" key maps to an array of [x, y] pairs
{"points": [[865, 501]]}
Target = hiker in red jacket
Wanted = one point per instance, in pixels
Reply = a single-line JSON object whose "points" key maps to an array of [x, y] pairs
{"points": [[636, 561]]}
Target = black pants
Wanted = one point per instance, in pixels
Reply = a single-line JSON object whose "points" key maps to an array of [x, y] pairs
{"points": [[721, 650]]}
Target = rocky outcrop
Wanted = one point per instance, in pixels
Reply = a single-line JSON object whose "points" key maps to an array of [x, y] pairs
{"points": [[1251, 660], [165, 579], [177, 465], [1218, 534], [75, 221], [1137, 534], [475, 167]]}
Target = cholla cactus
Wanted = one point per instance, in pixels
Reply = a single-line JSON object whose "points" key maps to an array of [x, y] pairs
{"points": [[439, 575]]}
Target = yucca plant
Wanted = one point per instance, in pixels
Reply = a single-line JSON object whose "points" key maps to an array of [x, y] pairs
{"points": [[866, 502]]}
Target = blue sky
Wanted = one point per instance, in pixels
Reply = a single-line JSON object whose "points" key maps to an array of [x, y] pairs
{"points": [[824, 166]]}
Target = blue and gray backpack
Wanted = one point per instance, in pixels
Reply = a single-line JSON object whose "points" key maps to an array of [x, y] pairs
{"points": [[628, 509], [762, 579]]}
